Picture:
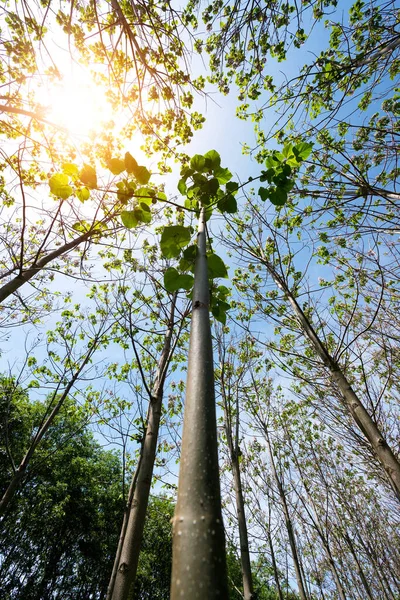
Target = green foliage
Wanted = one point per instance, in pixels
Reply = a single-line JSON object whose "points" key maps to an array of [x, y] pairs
{"points": [[141, 174], [88, 176], [201, 184], [140, 214], [59, 186], [116, 166], [173, 239], [281, 171], [61, 530], [174, 281], [216, 266]]}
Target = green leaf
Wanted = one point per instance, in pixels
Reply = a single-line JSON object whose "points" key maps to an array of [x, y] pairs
{"points": [[198, 163], [140, 214], [188, 258], [227, 204], [213, 159], [142, 175], [129, 218], [191, 204], [88, 176], [278, 196], [174, 281], [182, 188], [146, 195], [223, 291], [173, 239], [232, 187], [218, 309], [275, 159], [216, 266], [59, 185], [263, 193], [287, 150], [130, 163], [82, 194], [223, 175], [190, 252], [219, 314], [212, 186], [145, 214], [302, 150], [81, 226], [70, 169], [116, 166]]}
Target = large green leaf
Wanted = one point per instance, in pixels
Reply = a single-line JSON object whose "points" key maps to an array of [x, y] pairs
{"points": [[216, 266], [188, 258], [174, 281], [302, 150], [143, 212], [142, 175], [82, 194], [88, 176], [223, 175], [146, 195], [278, 196], [116, 166], [218, 309], [173, 239], [59, 185], [130, 163], [129, 218], [140, 214], [227, 204], [232, 187], [213, 159], [198, 162]]}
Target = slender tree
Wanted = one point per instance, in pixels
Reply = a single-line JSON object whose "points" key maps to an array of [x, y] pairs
{"points": [[199, 564], [127, 556], [229, 380]]}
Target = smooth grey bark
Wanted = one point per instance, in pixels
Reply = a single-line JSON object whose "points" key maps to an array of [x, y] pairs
{"points": [[36, 439], [198, 541], [127, 556], [234, 452], [356, 408]]}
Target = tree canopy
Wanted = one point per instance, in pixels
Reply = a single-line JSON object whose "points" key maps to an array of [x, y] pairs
{"points": [[126, 212]]}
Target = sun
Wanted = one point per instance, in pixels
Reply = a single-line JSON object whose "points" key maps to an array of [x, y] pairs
{"points": [[78, 104]]}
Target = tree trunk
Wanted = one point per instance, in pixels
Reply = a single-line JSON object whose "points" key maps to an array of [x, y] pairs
{"points": [[248, 589], [126, 562], [359, 567], [288, 521], [198, 547], [360, 415], [273, 559], [317, 524]]}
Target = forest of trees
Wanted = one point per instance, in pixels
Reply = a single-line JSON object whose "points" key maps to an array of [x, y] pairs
{"points": [[199, 385]]}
